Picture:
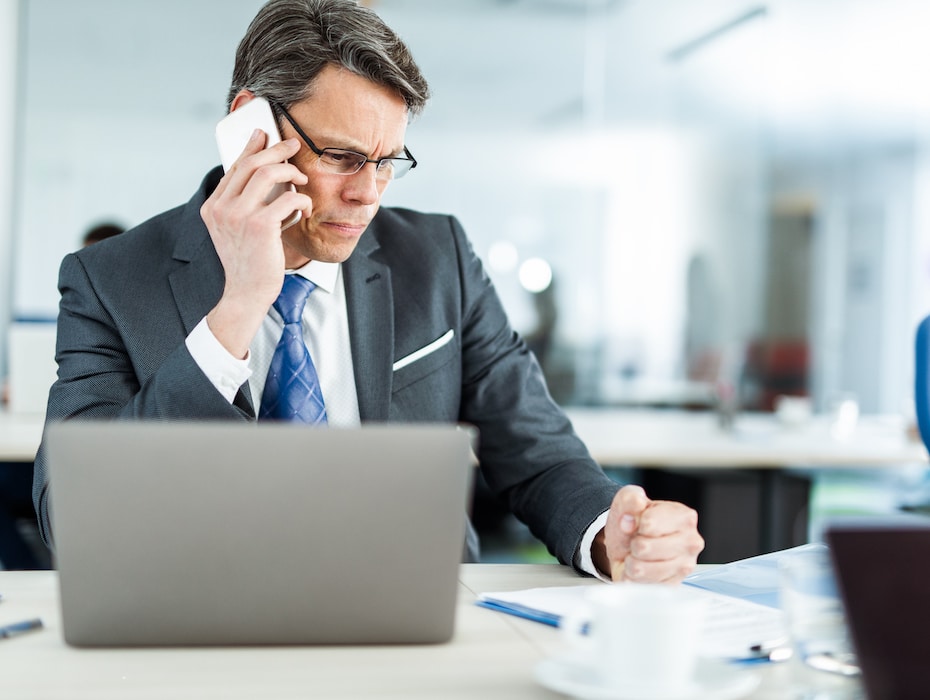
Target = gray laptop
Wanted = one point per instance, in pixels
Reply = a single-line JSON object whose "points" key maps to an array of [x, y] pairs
{"points": [[221, 533]]}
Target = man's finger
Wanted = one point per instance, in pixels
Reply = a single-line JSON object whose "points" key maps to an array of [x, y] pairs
{"points": [[669, 571], [617, 570], [688, 541], [666, 517], [631, 499]]}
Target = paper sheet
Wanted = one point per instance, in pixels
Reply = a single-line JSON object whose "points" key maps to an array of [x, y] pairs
{"points": [[754, 579], [734, 628], [743, 620]]}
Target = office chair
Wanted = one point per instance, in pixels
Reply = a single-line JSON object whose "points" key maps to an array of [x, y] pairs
{"points": [[918, 501], [922, 380]]}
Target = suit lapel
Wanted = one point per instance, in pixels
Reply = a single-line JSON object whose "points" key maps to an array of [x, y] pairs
{"points": [[197, 286], [197, 283], [370, 308]]}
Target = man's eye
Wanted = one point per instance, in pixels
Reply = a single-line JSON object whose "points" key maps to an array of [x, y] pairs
{"points": [[343, 158]]}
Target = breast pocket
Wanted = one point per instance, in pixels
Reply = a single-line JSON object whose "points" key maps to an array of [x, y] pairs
{"points": [[422, 362]]}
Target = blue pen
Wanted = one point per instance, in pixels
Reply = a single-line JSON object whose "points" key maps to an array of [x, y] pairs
{"points": [[17, 628], [765, 653]]}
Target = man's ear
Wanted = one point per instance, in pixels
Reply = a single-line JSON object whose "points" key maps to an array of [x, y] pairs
{"points": [[241, 98]]}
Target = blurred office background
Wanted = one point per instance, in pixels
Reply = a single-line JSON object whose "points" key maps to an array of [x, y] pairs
{"points": [[671, 196], [710, 187]]}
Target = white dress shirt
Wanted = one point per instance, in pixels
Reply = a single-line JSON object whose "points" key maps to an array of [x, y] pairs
{"points": [[325, 324]]}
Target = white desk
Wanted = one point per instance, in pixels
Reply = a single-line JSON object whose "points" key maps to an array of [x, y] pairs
{"points": [[492, 656], [656, 393], [750, 484], [20, 435], [662, 438], [695, 439]]}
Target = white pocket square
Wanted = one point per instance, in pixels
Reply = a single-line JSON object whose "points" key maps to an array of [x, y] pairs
{"points": [[425, 350]]}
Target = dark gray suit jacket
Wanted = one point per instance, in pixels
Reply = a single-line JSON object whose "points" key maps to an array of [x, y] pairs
{"points": [[128, 303]]}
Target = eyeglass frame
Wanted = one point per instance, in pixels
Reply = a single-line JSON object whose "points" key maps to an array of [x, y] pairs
{"points": [[320, 151]]}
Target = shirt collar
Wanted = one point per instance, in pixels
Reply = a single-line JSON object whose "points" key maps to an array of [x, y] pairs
{"points": [[322, 274]]}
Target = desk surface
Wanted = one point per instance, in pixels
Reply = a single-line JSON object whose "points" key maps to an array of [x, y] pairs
{"points": [[20, 435], [664, 438], [695, 439], [492, 655]]}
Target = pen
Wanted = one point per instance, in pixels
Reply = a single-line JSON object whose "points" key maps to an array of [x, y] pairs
{"points": [[17, 628], [767, 652]]}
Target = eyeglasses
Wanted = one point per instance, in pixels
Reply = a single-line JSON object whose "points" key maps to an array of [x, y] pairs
{"points": [[342, 162]]}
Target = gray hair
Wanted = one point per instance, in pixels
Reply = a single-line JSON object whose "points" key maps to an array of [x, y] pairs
{"points": [[289, 42]]}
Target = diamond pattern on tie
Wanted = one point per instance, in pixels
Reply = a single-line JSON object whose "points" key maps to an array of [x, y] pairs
{"points": [[292, 389]]}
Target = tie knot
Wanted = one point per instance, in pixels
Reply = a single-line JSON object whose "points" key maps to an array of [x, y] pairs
{"points": [[293, 296]]}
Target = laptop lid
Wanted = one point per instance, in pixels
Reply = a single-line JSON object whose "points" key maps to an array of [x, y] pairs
{"points": [[883, 573], [234, 533]]}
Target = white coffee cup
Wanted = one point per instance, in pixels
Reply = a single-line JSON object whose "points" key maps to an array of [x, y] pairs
{"points": [[641, 637], [793, 411]]}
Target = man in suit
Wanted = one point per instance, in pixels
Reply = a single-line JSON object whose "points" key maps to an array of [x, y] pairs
{"points": [[174, 320]]}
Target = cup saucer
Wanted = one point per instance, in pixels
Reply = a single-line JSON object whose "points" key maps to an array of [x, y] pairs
{"points": [[714, 680]]}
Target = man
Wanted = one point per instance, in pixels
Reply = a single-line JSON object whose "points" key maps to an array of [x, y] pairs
{"points": [[100, 232], [173, 320]]}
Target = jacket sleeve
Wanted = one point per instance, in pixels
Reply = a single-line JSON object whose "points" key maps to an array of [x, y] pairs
{"points": [[98, 377], [528, 450]]}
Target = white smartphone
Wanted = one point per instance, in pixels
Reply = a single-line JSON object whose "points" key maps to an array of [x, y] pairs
{"points": [[233, 133]]}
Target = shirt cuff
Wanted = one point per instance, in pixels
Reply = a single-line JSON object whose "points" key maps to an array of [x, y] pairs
{"points": [[226, 372], [585, 560]]}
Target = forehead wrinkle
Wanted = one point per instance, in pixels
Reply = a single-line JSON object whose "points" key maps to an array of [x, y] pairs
{"points": [[348, 145], [349, 112]]}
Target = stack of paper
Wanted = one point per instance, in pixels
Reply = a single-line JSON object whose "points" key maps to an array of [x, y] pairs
{"points": [[743, 620]]}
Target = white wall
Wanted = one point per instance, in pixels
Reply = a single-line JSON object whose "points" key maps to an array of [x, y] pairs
{"points": [[93, 167], [865, 284], [618, 213], [119, 101], [9, 29]]}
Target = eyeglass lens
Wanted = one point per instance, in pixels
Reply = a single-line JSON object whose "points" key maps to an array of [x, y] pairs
{"points": [[349, 162], [337, 160]]}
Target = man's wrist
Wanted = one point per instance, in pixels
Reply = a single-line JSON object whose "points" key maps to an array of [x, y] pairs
{"points": [[599, 553], [592, 553], [224, 371], [234, 327]]}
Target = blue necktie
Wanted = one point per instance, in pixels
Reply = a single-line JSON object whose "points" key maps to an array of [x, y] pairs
{"points": [[292, 389]]}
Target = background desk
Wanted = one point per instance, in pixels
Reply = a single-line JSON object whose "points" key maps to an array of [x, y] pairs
{"points": [[744, 482], [662, 438], [492, 656], [750, 484], [672, 438], [20, 435]]}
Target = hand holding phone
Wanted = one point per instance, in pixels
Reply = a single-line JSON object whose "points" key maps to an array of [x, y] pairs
{"points": [[233, 133]]}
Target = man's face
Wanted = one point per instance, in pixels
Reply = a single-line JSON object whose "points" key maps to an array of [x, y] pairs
{"points": [[349, 112]]}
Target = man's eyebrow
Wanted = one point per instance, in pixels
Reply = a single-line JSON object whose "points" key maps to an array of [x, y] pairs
{"points": [[355, 148], [396, 153]]}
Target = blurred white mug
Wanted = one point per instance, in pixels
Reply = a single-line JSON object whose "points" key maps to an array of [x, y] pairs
{"points": [[643, 638], [793, 411], [844, 416]]}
